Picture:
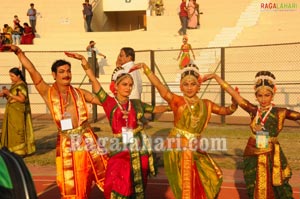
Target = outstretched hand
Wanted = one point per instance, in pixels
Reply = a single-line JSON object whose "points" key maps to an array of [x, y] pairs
{"points": [[137, 66], [11, 48], [79, 57], [5, 48], [207, 77], [75, 55]]}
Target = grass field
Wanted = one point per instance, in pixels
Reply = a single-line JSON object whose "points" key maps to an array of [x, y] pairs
{"points": [[234, 141]]}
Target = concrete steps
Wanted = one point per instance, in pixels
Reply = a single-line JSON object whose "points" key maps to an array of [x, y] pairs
{"points": [[227, 35], [272, 27]]}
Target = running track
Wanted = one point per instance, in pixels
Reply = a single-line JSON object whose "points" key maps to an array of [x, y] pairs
{"points": [[233, 186]]}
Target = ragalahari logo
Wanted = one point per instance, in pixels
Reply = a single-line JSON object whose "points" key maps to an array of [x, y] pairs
{"points": [[284, 6]]}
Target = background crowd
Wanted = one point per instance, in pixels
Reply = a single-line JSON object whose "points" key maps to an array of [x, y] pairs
{"points": [[20, 33]]}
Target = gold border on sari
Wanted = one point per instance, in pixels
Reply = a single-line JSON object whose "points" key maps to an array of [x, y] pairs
{"points": [[186, 174], [277, 171], [261, 176]]}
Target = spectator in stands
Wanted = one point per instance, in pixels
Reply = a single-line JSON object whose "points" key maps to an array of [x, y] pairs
{"points": [[90, 49], [159, 7], [192, 15], [17, 33], [17, 131], [87, 15], [31, 13], [184, 53], [28, 35], [7, 32], [3, 42], [197, 8], [16, 20], [183, 15], [80, 161], [266, 169]]}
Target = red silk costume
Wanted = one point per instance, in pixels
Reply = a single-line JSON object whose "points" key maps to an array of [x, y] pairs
{"points": [[127, 169]]}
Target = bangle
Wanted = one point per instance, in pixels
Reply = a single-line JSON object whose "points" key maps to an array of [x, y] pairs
{"points": [[86, 66], [224, 85], [232, 109], [147, 71], [17, 51], [92, 99], [169, 108], [38, 82]]}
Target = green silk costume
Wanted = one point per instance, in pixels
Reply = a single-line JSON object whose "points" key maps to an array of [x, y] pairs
{"points": [[266, 171], [192, 174]]}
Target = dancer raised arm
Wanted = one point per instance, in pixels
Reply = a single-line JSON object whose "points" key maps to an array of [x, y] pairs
{"points": [[87, 68], [191, 172], [227, 87], [266, 169], [128, 168], [80, 161]]}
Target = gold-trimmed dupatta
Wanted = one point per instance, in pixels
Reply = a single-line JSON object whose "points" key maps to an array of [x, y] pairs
{"points": [[69, 161]]}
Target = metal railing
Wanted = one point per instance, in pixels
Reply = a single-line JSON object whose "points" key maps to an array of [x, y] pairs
{"points": [[237, 65]]}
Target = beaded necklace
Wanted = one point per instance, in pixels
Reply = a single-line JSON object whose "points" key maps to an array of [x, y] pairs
{"points": [[124, 111], [262, 119]]}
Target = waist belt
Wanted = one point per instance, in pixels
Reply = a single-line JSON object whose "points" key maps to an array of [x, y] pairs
{"points": [[135, 131], [77, 131], [175, 131]]}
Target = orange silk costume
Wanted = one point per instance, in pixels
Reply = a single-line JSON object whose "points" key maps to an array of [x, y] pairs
{"points": [[192, 173], [185, 58], [79, 159]]}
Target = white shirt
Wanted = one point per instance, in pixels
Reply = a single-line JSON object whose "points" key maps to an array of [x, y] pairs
{"points": [[137, 81], [90, 50]]}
